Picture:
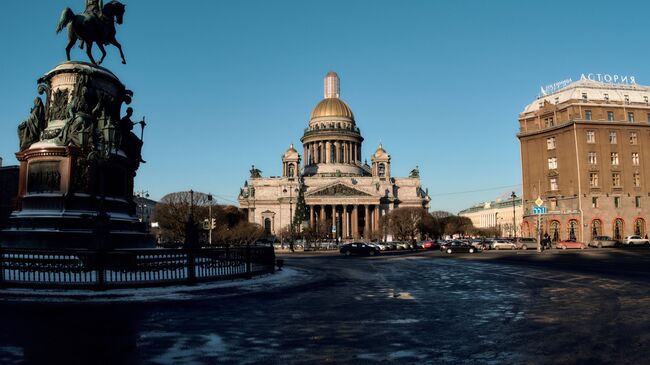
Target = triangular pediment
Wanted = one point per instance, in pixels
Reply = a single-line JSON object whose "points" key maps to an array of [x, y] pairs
{"points": [[338, 190]]}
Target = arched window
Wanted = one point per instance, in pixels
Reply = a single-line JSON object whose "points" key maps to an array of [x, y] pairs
{"points": [[555, 231], [596, 228], [618, 228], [639, 227], [332, 153], [382, 170], [267, 226], [573, 229]]}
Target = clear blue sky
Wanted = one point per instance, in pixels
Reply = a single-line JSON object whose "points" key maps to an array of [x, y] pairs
{"points": [[228, 84]]}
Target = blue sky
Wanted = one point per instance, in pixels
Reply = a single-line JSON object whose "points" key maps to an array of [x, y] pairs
{"points": [[228, 84]]}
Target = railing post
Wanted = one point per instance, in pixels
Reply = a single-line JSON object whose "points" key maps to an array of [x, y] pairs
{"points": [[2, 268], [249, 273], [191, 266], [99, 268]]}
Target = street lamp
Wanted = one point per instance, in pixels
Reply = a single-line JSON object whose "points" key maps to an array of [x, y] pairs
{"points": [[141, 205], [514, 226], [210, 225], [285, 190]]}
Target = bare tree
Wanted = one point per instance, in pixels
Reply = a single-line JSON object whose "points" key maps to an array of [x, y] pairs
{"points": [[404, 223]]}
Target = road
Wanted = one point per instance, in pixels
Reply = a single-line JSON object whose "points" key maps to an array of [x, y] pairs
{"points": [[578, 307]]}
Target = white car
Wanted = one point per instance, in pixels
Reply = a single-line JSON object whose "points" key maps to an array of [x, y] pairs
{"points": [[502, 245], [636, 240]]}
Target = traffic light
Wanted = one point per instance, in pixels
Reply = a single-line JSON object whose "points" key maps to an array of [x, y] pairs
{"points": [[214, 223], [205, 224]]}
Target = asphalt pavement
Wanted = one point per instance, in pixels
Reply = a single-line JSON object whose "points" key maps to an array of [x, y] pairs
{"points": [[560, 307]]}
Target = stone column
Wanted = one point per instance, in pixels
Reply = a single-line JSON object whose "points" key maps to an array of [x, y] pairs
{"points": [[376, 218], [348, 154], [366, 226], [355, 222], [322, 214], [345, 221], [346, 151], [328, 155], [333, 218], [312, 216], [311, 154]]}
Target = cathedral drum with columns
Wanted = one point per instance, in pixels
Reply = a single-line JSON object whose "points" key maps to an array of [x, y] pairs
{"points": [[341, 193]]}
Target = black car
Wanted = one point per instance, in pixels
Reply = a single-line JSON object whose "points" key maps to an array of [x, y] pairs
{"points": [[358, 248], [459, 246]]}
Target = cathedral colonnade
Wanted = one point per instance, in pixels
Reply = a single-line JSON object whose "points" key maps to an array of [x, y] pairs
{"points": [[332, 151], [346, 221]]}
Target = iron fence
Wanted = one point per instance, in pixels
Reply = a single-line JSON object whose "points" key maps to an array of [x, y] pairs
{"points": [[111, 269]]}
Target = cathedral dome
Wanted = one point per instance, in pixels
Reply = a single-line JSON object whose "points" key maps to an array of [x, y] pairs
{"points": [[332, 107]]}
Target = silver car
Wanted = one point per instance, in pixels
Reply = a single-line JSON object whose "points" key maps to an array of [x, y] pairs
{"points": [[603, 241], [502, 245]]}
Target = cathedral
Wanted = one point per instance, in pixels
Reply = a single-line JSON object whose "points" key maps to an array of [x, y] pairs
{"points": [[333, 188]]}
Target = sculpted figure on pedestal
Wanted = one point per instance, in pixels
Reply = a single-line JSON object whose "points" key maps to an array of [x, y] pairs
{"points": [[29, 131], [129, 142]]}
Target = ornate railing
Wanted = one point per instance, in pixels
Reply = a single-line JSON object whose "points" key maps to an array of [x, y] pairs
{"points": [[111, 269]]}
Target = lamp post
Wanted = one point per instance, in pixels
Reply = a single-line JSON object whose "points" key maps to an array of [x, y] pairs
{"points": [[514, 224], [210, 225]]}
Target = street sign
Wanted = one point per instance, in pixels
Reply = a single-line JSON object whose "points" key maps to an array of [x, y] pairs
{"points": [[539, 202], [539, 210]]}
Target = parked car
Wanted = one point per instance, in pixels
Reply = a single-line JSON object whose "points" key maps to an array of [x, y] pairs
{"points": [[635, 240], [603, 241], [563, 245], [444, 245], [431, 245], [458, 246], [524, 243], [479, 244], [391, 245], [502, 245], [358, 248]]}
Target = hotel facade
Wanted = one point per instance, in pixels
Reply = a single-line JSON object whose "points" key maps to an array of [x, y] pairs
{"points": [[585, 151]]}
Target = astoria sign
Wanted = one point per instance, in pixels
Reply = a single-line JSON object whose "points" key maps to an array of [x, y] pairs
{"points": [[604, 78]]}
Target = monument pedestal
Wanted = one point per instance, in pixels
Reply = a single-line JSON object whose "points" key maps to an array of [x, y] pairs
{"points": [[78, 168]]}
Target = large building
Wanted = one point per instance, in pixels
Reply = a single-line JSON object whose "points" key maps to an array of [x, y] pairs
{"points": [[502, 215], [342, 193], [585, 151]]}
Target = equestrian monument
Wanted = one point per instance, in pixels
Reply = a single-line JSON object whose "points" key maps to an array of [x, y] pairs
{"points": [[79, 154]]}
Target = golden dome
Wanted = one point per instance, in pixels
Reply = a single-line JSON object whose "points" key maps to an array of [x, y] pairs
{"points": [[332, 107]]}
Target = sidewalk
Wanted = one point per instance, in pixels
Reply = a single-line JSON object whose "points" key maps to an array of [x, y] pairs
{"points": [[287, 277]]}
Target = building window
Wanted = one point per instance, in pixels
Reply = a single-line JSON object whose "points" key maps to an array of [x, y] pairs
{"points": [[648, 117], [550, 143], [592, 159], [596, 228], [553, 184], [594, 202], [591, 137], [555, 231], [606, 97], [616, 180], [573, 228], [612, 137], [639, 227], [636, 179], [552, 163], [618, 228], [382, 170], [630, 117], [593, 180], [588, 114], [635, 158], [627, 99], [637, 201], [584, 96], [617, 202], [614, 158], [610, 116], [633, 138]]}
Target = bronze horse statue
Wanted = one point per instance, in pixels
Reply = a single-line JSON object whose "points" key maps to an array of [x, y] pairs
{"points": [[91, 28]]}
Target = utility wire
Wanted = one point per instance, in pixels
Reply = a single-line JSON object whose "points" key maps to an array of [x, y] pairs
{"points": [[476, 191]]}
